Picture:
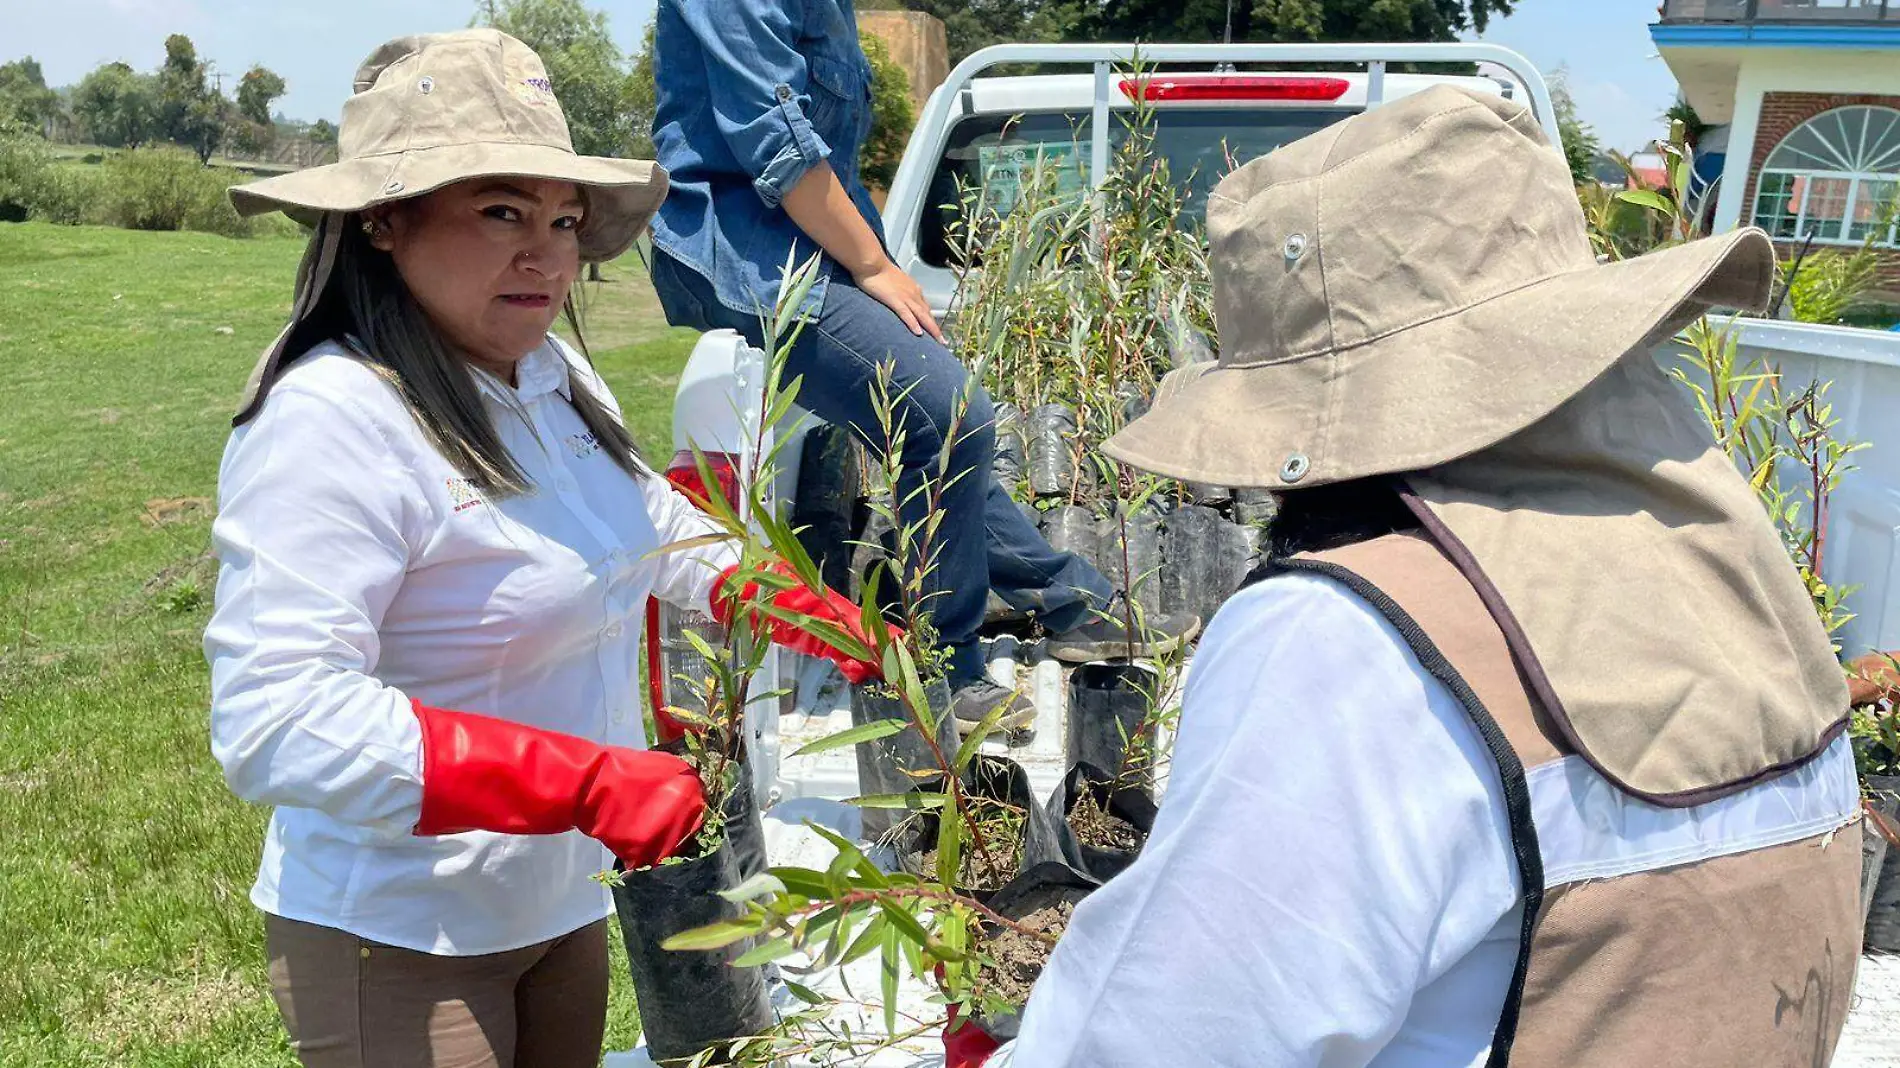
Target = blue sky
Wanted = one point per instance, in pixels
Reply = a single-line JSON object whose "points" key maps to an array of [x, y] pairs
{"points": [[316, 44]]}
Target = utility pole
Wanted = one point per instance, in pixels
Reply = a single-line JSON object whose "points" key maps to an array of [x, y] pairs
{"points": [[1227, 38]]}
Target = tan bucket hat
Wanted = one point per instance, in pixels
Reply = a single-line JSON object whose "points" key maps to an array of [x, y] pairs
{"points": [[1409, 286], [430, 110], [1412, 293]]}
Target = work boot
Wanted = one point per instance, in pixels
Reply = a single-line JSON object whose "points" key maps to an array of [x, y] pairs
{"points": [[975, 700], [1105, 635]]}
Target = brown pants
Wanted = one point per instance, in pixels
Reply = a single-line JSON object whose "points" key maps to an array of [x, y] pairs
{"points": [[352, 1003]]}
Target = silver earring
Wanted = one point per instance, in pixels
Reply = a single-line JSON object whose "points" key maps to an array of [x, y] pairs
{"points": [[370, 229]]}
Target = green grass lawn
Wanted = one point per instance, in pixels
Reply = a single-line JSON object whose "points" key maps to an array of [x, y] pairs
{"points": [[126, 934]]}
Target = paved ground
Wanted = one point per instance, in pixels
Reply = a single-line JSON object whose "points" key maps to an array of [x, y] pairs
{"points": [[1872, 1039]]}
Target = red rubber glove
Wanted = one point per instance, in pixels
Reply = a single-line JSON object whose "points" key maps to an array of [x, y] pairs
{"points": [[965, 1045], [1871, 680], [486, 774], [832, 607]]}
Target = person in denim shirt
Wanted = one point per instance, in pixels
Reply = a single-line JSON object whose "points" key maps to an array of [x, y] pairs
{"points": [[763, 107]]}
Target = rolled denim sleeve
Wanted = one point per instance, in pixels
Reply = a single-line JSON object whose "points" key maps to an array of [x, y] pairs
{"points": [[760, 87]]}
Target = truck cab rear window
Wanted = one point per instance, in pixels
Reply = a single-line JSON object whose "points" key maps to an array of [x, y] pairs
{"points": [[1001, 152]]}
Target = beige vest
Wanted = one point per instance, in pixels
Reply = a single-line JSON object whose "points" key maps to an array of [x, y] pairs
{"points": [[1746, 959]]}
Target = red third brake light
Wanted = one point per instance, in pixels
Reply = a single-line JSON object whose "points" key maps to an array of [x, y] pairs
{"points": [[683, 472], [1188, 87]]}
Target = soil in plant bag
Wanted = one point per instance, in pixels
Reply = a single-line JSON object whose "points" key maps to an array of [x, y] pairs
{"points": [[691, 1001], [884, 764], [1041, 900], [1020, 956], [998, 785], [1109, 825], [982, 870], [1108, 706], [1052, 468]]}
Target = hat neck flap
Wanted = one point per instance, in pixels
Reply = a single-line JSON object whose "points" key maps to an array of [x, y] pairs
{"points": [[1648, 599], [313, 275]]}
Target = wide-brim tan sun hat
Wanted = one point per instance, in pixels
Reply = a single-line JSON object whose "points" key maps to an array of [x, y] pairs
{"points": [[1405, 288], [431, 110]]}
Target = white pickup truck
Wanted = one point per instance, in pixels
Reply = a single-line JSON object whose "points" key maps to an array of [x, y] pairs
{"points": [[1206, 111], [970, 130]]}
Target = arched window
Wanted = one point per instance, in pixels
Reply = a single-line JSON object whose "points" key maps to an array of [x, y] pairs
{"points": [[1836, 176]]}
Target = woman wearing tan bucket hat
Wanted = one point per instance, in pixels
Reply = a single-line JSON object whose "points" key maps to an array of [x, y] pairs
{"points": [[430, 503], [1528, 747]]}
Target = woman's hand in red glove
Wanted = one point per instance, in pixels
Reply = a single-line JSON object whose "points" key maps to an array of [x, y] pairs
{"points": [[965, 1045], [1872, 679], [485, 774], [830, 606]]}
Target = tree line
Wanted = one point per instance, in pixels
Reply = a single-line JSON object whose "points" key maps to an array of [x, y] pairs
{"points": [[608, 94], [181, 103], [974, 24]]}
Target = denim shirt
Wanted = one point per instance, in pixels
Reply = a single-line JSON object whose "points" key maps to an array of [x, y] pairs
{"points": [[752, 95]]}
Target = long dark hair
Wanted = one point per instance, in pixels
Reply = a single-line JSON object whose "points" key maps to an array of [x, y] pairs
{"points": [[1345, 513], [366, 300]]}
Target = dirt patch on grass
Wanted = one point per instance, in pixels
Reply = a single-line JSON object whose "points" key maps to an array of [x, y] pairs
{"points": [[165, 511], [165, 1011], [1017, 957]]}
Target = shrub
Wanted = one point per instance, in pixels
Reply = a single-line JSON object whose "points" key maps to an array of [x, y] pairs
{"points": [[72, 195], [1079, 301], [892, 115], [1830, 283], [168, 189], [24, 166]]}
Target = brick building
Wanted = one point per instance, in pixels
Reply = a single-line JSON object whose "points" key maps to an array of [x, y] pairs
{"points": [[1804, 98]]}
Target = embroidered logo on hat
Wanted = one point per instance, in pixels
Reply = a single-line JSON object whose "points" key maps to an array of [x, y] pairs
{"points": [[534, 91]]}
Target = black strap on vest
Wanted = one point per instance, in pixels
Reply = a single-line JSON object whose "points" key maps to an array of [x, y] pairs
{"points": [[1517, 791]]}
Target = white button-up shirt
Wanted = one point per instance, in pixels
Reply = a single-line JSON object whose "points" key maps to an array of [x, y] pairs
{"points": [[359, 570], [1330, 881]]}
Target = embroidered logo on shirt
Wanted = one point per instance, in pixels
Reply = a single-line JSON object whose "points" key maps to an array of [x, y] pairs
{"points": [[463, 495], [583, 445]]}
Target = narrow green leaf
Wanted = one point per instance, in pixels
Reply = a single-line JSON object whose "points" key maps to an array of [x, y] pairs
{"points": [[806, 994], [890, 976], [904, 921], [974, 743], [761, 885], [949, 849], [1647, 198], [869, 940], [913, 801], [713, 935], [804, 882], [824, 630], [765, 953], [860, 864], [865, 732]]}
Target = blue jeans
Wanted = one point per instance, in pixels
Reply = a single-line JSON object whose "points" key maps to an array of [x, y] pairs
{"points": [[984, 542]]}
